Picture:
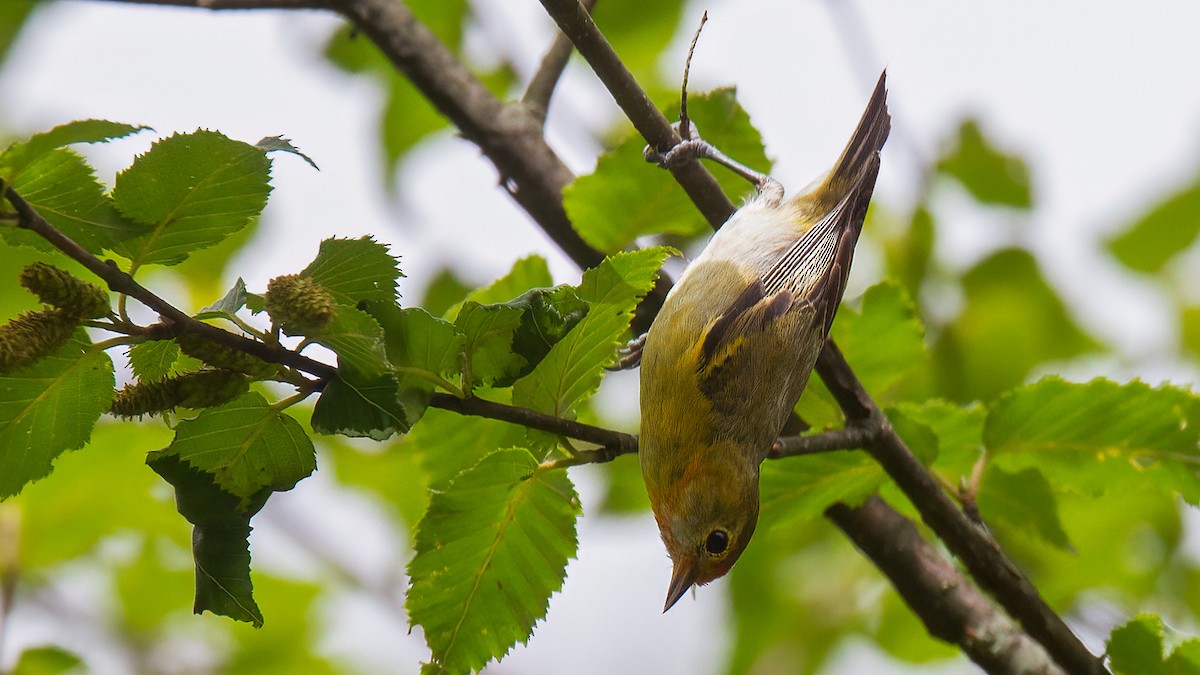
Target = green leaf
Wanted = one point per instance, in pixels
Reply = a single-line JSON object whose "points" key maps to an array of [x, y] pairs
{"points": [[626, 198], [1189, 323], [1023, 499], [572, 370], [472, 438], [491, 551], [1161, 233], [13, 16], [358, 340], [1013, 321], [1136, 648], [417, 341], [526, 273], [445, 290], [988, 173], [247, 446], [19, 155], [227, 306], [62, 188], [908, 252], [636, 30], [353, 270], [281, 144], [959, 432], [220, 539], [50, 407], [547, 314], [354, 405], [47, 661], [801, 488], [152, 361], [1100, 435], [190, 191], [884, 340], [488, 341]]}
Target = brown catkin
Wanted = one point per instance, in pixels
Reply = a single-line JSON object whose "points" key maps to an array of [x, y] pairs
{"points": [[299, 303], [33, 335], [61, 289]]}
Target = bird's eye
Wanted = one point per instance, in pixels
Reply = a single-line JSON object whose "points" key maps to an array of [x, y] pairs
{"points": [[717, 542]]}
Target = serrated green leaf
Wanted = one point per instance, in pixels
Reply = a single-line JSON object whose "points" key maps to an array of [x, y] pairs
{"points": [[491, 551], [247, 446], [47, 661], [358, 340], [357, 406], [884, 340], [1100, 435], [626, 198], [988, 173], [152, 361], [353, 270], [190, 191], [63, 189], [1136, 648], [1161, 233], [227, 306], [572, 370], [488, 341], [220, 539], [1013, 320], [50, 407], [20, 155], [281, 144], [801, 488], [1023, 499], [418, 341]]}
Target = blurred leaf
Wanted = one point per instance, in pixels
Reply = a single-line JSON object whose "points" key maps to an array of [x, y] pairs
{"points": [[573, 368], [491, 551], [526, 273], [95, 493], [987, 172], [625, 198], [1189, 322], [908, 253], [353, 270], [472, 438], [801, 488], [20, 155], [901, 634], [13, 15], [445, 290], [247, 446], [50, 407], [1013, 321], [1161, 233], [281, 144], [1100, 436], [1137, 648], [47, 661], [63, 189], [488, 334], [959, 432], [355, 405], [884, 340], [393, 473], [624, 489], [220, 545], [639, 32], [190, 191], [152, 361], [151, 588], [1024, 500], [291, 642]]}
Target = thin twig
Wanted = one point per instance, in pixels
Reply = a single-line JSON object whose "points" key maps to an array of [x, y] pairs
{"points": [[685, 124], [545, 78]]}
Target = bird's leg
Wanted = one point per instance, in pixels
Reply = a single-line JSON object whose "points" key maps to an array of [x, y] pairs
{"points": [[630, 356], [694, 147]]}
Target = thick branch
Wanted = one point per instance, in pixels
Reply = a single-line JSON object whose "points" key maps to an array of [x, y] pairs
{"points": [[949, 606]]}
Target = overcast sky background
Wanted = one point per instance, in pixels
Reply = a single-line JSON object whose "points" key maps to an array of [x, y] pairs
{"points": [[1100, 97]]}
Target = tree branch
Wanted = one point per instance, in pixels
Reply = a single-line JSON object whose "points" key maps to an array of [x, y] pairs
{"points": [[950, 607], [545, 79]]}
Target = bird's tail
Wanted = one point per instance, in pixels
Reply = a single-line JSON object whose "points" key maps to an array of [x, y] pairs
{"points": [[861, 156]]}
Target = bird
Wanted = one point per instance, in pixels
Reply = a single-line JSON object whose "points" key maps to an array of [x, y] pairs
{"points": [[731, 350]]}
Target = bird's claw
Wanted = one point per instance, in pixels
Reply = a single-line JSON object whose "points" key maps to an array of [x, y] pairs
{"points": [[630, 356]]}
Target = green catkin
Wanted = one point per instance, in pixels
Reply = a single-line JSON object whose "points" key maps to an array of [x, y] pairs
{"points": [[200, 389], [299, 303], [33, 335], [61, 289], [219, 356]]}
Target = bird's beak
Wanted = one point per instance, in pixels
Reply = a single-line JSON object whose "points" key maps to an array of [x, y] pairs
{"points": [[682, 578]]}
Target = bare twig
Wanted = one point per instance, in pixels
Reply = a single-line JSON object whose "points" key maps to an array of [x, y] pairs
{"points": [[685, 124], [950, 607], [545, 79]]}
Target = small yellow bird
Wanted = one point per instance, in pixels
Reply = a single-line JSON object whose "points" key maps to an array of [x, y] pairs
{"points": [[730, 352]]}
